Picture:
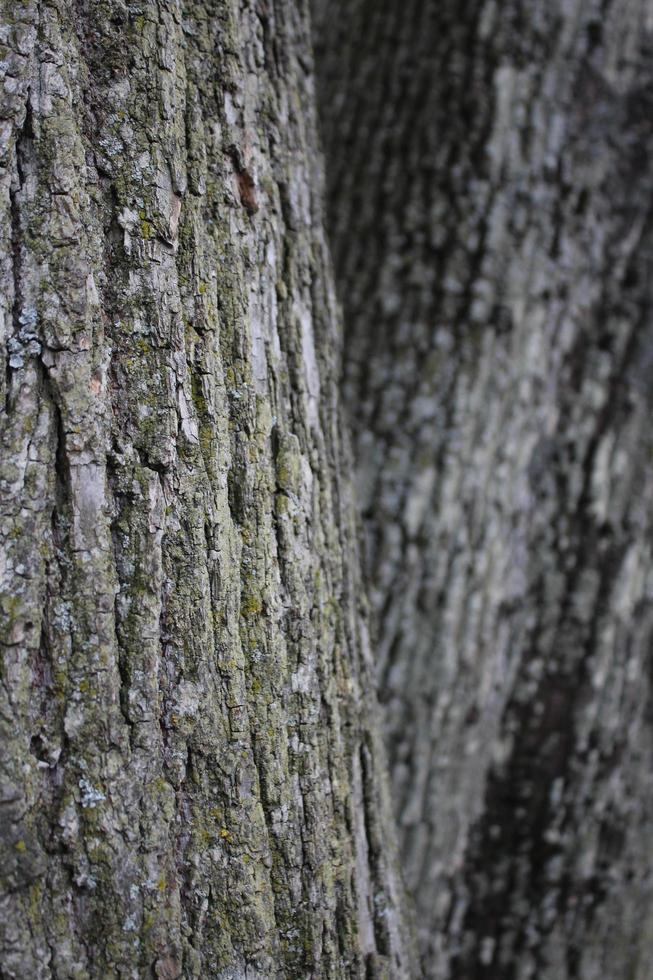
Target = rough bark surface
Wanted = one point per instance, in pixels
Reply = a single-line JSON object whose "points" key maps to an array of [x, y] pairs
{"points": [[189, 768], [491, 197]]}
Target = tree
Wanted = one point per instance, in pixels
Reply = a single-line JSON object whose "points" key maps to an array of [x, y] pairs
{"points": [[192, 781], [490, 201]]}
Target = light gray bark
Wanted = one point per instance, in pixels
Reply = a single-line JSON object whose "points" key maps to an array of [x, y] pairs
{"points": [[491, 198], [191, 782]]}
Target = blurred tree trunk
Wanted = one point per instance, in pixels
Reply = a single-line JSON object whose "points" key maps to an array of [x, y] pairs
{"points": [[490, 196], [191, 783]]}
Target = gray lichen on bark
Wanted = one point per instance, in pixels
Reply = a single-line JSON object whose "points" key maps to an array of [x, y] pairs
{"points": [[191, 781]]}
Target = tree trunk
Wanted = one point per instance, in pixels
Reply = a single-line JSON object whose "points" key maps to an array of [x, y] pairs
{"points": [[491, 198], [191, 780]]}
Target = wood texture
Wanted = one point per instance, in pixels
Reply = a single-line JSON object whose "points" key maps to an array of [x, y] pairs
{"points": [[191, 783], [490, 197]]}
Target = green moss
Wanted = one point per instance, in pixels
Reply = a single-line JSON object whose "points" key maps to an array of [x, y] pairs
{"points": [[288, 464], [199, 400], [206, 440], [251, 606]]}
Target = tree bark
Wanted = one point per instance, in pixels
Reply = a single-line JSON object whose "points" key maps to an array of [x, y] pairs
{"points": [[190, 774], [490, 199]]}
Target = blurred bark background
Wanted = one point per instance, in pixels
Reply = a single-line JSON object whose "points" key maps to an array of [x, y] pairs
{"points": [[489, 197]]}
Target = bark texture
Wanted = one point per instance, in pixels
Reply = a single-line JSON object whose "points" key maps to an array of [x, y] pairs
{"points": [[491, 196], [190, 776]]}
